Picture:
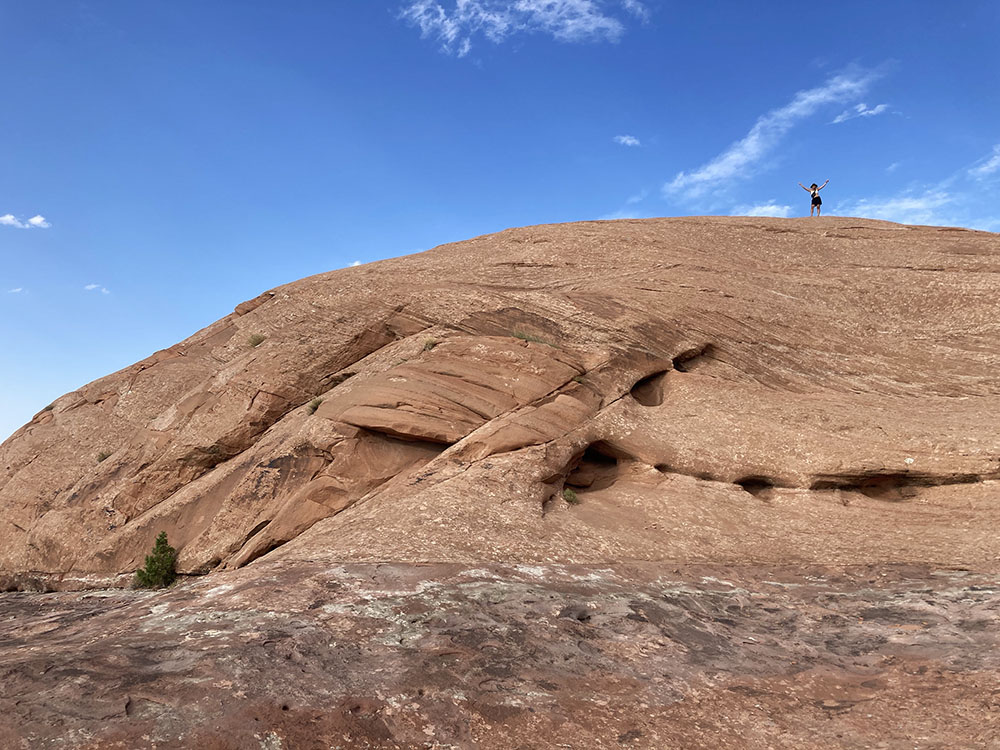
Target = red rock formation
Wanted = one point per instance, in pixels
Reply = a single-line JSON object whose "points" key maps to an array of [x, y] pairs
{"points": [[683, 483], [712, 389]]}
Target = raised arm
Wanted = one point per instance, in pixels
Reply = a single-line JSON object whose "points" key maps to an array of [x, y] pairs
{"points": [[823, 185], [803, 187]]}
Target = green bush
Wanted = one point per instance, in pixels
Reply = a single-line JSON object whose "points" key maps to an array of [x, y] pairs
{"points": [[256, 340], [161, 566], [103, 456], [529, 337], [570, 496], [430, 344], [314, 405]]}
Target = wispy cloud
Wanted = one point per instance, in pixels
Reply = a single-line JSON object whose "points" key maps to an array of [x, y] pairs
{"points": [[958, 200], [860, 110], [637, 9], [627, 140], [740, 159], [93, 287], [892, 167], [762, 209], [355, 264], [564, 20], [35, 222], [988, 166], [16, 290], [622, 214], [910, 207]]}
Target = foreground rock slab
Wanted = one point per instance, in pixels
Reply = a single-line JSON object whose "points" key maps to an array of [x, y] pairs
{"points": [[301, 656]]}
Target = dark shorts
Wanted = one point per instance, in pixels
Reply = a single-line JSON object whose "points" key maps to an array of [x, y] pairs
{"points": [[817, 201]]}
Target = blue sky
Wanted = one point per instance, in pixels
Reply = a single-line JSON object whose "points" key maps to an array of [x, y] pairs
{"points": [[166, 159]]}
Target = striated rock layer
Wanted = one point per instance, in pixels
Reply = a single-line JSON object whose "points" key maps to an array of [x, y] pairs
{"points": [[674, 483], [717, 390]]}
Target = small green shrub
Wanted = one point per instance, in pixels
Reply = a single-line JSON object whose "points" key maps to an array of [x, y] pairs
{"points": [[161, 566], [314, 405], [529, 337], [430, 344], [256, 340], [579, 379], [50, 407], [103, 455], [571, 497]]}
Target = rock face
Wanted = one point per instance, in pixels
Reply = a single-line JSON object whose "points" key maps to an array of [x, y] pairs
{"points": [[710, 389], [386, 656], [675, 483]]}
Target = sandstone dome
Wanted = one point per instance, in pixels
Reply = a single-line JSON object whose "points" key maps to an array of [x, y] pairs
{"points": [[717, 389], [670, 483]]}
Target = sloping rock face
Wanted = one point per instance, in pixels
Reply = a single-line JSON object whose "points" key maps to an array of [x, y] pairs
{"points": [[700, 389], [678, 483]]}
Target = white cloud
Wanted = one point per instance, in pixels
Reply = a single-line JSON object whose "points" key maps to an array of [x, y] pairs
{"points": [[92, 287], [104, 291], [762, 209], [989, 165], [355, 263], [621, 214], [8, 220], [739, 159], [564, 20], [637, 9], [35, 222], [905, 208], [16, 290], [892, 167], [860, 110], [627, 140], [956, 200]]}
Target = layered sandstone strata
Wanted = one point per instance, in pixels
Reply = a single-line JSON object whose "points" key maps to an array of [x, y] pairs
{"points": [[707, 389]]}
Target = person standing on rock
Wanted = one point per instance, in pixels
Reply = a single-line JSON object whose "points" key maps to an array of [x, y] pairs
{"points": [[817, 202]]}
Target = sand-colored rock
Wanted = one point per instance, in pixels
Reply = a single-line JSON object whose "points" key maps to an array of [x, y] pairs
{"points": [[490, 657], [677, 483], [710, 388]]}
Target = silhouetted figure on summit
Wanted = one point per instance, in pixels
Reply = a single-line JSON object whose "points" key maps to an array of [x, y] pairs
{"points": [[817, 202]]}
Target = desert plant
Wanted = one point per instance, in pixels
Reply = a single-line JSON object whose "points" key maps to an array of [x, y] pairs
{"points": [[570, 496], [314, 405], [528, 337], [256, 340], [579, 379], [103, 455], [50, 407], [160, 568], [430, 344]]}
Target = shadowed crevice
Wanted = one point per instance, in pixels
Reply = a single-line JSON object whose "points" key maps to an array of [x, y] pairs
{"points": [[892, 486], [756, 485], [649, 390], [692, 359]]}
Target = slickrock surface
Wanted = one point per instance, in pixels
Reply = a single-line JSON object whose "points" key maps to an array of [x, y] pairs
{"points": [[791, 422], [303, 656]]}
